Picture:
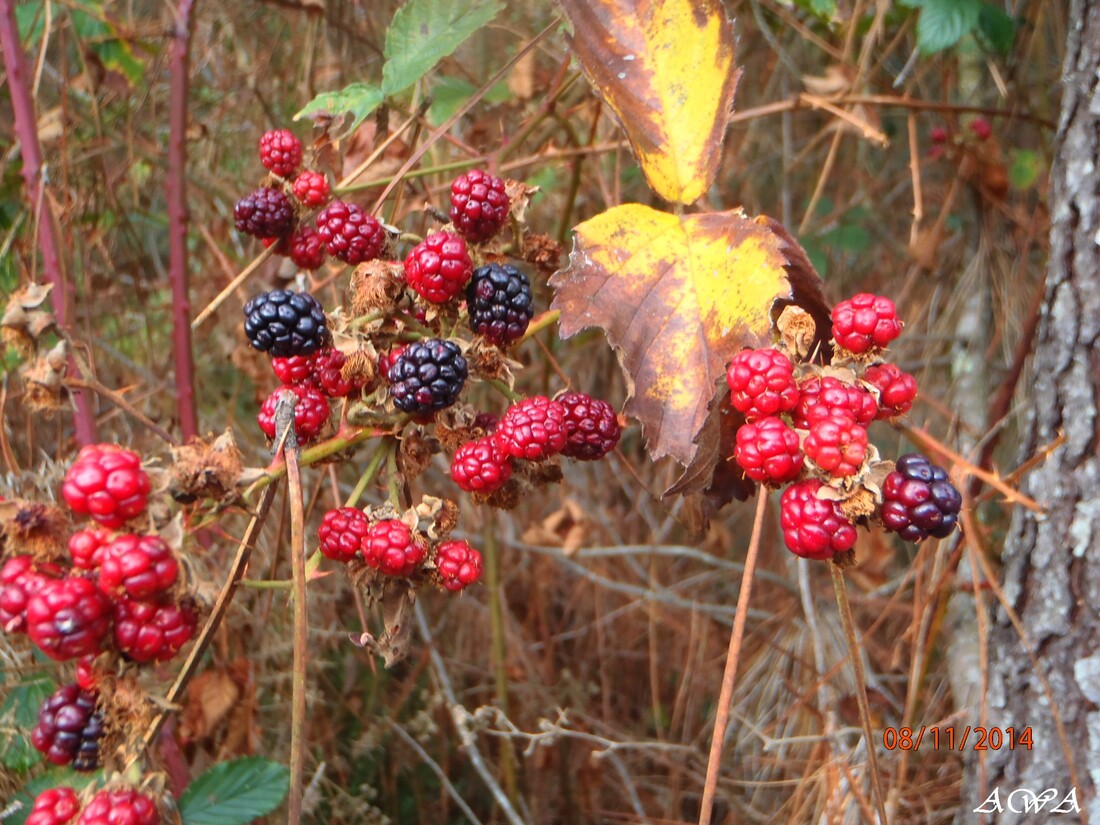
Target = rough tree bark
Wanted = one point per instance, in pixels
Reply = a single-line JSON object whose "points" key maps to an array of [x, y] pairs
{"points": [[1052, 562]]}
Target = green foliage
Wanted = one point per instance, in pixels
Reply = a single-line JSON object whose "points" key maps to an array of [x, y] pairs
{"points": [[996, 28], [356, 99], [423, 32], [18, 715], [448, 93], [824, 9], [1024, 169], [943, 23], [92, 24], [235, 793]]}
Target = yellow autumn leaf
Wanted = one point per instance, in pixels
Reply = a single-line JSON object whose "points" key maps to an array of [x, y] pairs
{"points": [[678, 296], [666, 68]]}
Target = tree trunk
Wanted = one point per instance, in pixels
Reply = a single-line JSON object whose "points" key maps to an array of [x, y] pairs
{"points": [[1052, 561]]}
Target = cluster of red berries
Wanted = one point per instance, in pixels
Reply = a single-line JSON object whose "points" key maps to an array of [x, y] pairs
{"points": [[393, 548], [980, 131], [811, 429], [117, 590], [59, 806], [573, 424]]}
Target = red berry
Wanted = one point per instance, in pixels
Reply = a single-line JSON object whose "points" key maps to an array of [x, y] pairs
{"points": [[311, 188], [981, 129], [327, 369], [865, 323], [769, 451], [151, 631], [591, 426], [55, 806], [387, 359], [68, 618], [296, 369], [69, 728], [820, 397], [837, 444], [310, 415], [479, 205], [86, 674], [21, 578], [281, 152], [120, 808], [457, 565], [306, 248], [480, 466], [761, 383], [142, 567], [86, 547], [391, 548], [342, 533], [532, 429], [107, 483], [896, 389], [439, 267], [813, 528], [939, 135], [349, 233]]}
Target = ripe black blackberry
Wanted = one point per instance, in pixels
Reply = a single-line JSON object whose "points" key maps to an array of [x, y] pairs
{"points": [[266, 213], [499, 302], [69, 728], [427, 376], [284, 323], [919, 501]]}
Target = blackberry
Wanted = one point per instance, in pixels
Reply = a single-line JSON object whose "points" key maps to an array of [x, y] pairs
{"points": [[428, 375], [266, 213], [284, 323], [349, 233], [499, 302], [591, 426], [919, 501], [479, 205], [69, 728], [281, 152]]}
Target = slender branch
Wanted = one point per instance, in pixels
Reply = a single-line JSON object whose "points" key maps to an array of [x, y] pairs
{"points": [[26, 128], [176, 195], [729, 676]]}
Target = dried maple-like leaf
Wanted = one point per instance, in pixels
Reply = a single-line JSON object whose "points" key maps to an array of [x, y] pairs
{"points": [[666, 68], [678, 296]]}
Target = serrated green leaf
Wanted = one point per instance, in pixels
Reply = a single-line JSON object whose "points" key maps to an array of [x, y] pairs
{"points": [[997, 28], [423, 32], [18, 716], [943, 23], [53, 778], [357, 99], [1025, 169], [448, 93], [235, 793], [101, 36]]}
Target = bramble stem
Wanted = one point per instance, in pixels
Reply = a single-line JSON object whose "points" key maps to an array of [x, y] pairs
{"points": [[729, 676], [301, 632]]}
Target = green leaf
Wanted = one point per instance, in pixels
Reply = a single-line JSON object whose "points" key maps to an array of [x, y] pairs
{"points": [[1025, 169], [356, 99], [235, 793], [448, 93], [101, 36], [997, 28], [423, 32], [943, 23], [18, 715]]}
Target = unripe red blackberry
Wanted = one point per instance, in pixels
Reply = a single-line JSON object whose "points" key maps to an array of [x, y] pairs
{"points": [[438, 268], [307, 248], [310, 414], [107, 483], [865, 323], [297, 369], [821, 396], [266, 213], [479, 205], [328, 371], [813, 528], [938, 135], [457, 565], [480, 466], [153, 631], [281, 152], [391, 548], [769, 451], [22, 577], [349, 233], [86, 547], [342, 533], [311, 188], [532, 429], [142, 567], [69, 728], [837, 444], [120, 808], [591, 426], [919, 500], [896, 389], [68, 618], [55, 806], [761, 383], [981, 129]]}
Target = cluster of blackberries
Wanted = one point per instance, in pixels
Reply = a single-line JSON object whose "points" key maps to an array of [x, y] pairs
{"points": [[59, 806], [813, 431]]}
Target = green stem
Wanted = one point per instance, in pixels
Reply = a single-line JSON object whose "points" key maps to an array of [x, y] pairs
{"points": [[546, 319], [393, 482], [318, 452], [367, 477], [301, 636], [503, 389]]}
